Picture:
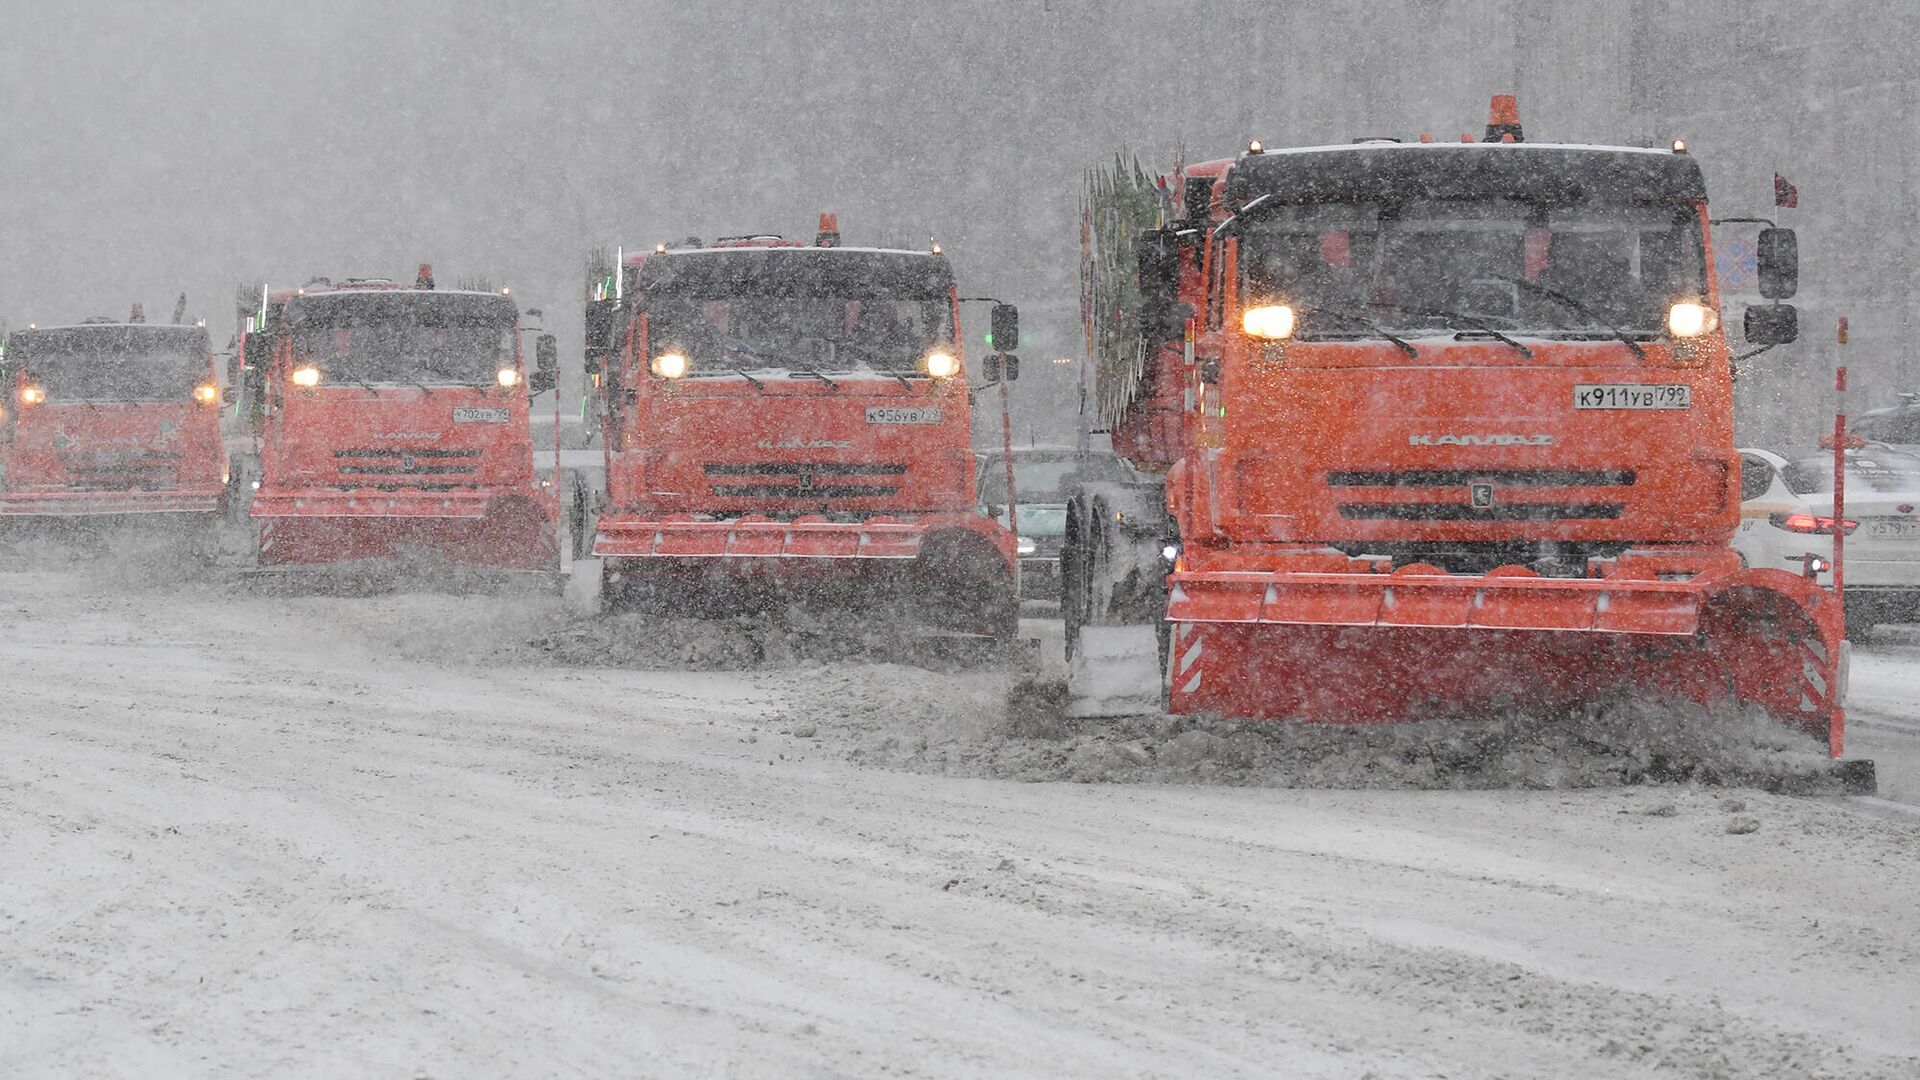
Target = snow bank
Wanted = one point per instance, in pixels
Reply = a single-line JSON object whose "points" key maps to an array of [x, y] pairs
{"points": [[779, 641], [886, 698], [998, 726]]}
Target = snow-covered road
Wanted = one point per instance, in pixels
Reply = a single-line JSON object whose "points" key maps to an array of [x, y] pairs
{"points": [[247, 835], [1883, 710]]}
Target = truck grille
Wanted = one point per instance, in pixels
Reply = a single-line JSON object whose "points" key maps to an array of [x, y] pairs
{"points": [[1496, 512], [376, 461], [121, 471], [1496, 477], [804, 479]]}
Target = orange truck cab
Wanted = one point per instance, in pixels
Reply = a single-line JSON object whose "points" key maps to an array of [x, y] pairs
{"points": [[792, 422], [108, 419], [393, 421], [1444, 425]]}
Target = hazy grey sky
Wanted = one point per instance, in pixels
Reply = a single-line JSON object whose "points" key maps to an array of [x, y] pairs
{"points": [[150, 148]]}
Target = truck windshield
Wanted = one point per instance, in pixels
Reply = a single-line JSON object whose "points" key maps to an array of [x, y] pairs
{"points": [[1581, 270], [406, 339], [114, 363], [798, 333]]}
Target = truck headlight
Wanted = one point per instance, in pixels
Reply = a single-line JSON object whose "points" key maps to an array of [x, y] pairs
{"points": [[1687, 319], [32, 395], [941, 365], [1273, 322], [670, 365], [306, 376], [509, 377], [206, 393]]}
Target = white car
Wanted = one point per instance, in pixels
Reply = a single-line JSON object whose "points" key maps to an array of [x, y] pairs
{"points": [[1786, 510]]}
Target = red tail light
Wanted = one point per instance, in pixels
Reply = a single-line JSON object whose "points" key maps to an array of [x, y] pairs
{"points": [[1811, 523]]}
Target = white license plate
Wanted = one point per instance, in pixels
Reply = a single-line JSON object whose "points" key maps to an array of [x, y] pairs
{"points": [[1891, 527], [899, 414], [473, 415], [1633, 396]]}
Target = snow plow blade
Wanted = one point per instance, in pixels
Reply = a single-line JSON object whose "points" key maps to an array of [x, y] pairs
{"points": [[941, 573], [104, 504], [320, 529], [1419, 642]]}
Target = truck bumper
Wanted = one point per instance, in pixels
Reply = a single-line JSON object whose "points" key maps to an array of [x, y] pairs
{"points": [[195, 500], [619, 537]]}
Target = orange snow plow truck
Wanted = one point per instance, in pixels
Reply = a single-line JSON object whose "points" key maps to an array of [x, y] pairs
{"points": [[1443, 428], [392, 424], [788, 423], [110, 421]]}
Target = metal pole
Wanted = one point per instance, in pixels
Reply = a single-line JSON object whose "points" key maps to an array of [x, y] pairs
{"points": [[1840, 480], [1839, 534], [1013, 504]]}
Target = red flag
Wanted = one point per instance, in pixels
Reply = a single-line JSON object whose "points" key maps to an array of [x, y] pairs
{"points": [[1784, 193]]}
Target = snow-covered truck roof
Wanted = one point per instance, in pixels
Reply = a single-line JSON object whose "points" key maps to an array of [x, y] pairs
{"points": [[791, 271], [1530, 172]]}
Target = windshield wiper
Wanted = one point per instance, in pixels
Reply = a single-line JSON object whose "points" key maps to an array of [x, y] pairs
{"points": [[812, 374], [1371, 327], [757, 384], [1577, 308], [904, 381], [1473, 321]]}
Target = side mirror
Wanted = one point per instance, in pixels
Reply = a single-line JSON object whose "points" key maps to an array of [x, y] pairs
{"points": [[1010, 371], [1163, 324], [602, 316], [259, 351], [1000, 367], [1162, 317], [1772, 324], [1778, 257], [228, 395], [1156, 255], [1006, 327], [546, 364]]}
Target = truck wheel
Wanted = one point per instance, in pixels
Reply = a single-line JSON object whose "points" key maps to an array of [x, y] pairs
{"points": [[1073, 585], [580, 518]]}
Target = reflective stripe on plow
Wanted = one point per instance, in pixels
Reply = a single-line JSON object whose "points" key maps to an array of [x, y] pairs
{"points": [[1811, 672], [1188, 658], [1192, 656]]}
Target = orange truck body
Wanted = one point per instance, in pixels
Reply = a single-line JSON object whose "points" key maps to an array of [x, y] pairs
{"points": [[854, 484], [1366, 535], [109, 420], [374, 452]]}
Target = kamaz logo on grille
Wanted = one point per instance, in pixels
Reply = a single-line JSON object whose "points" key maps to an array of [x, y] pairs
{"points": [[1475, 439], [804, 444]]}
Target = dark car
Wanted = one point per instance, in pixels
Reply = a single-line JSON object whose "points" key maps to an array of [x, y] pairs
{"points": [[1042, 479], [1897, 426]]}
